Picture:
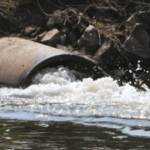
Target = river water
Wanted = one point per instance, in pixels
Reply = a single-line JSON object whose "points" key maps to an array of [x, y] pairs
{"points": [[60, 112]]}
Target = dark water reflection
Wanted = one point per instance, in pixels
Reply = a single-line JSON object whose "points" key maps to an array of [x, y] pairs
{"points": [[16, 135]]}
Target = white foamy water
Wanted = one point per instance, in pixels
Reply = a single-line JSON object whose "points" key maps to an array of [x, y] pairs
{"points": [[57, 95]]}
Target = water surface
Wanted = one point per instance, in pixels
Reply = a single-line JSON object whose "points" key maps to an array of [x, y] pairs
{"points": [[59, 111]]}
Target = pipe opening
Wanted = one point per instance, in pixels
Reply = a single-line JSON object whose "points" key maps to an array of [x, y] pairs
{"points": [[21, 59], [86, 70]]}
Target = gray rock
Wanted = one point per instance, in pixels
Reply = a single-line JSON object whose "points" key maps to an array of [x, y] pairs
{"points": [[119, 75], [63, 39], [36, 32], [89, 42], [107, 53], [70, 48], [56, 19], [40, 36], [83, 51], [50, 23], [64, 48], [137, 44], [76, 52], [30, 30], [72, 38], [52, 37]]}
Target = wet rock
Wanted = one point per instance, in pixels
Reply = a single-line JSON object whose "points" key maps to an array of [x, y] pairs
{"points": [[144, 78], [52, 37], [108, 54], [89, 41], [119, 75], [137, 44]]}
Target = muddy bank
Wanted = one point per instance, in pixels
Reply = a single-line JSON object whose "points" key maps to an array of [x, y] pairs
{"points": [[113, 33]]}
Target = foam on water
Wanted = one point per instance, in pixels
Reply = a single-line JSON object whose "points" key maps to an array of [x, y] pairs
{"points": [[57, 95], [54, 86]]}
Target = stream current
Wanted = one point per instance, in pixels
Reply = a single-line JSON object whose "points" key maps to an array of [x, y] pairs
{"points": [[88, 111]]}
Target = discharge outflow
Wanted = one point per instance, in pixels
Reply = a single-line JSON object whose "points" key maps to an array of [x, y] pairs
{"points": [[58, 91]]}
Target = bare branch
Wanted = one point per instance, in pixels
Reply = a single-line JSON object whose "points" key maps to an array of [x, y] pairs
{"points": [[48, 15]]}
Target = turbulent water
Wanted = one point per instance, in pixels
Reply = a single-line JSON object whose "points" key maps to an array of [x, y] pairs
{"points": [[56, 95]]}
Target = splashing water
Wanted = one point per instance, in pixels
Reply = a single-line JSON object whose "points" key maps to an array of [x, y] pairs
{"points": [[56, 94]]}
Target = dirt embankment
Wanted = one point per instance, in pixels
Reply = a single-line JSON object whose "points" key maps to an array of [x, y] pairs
{"points": [[112, 32]]}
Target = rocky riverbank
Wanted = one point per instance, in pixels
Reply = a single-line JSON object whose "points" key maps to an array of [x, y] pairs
{"points": [[112, 32]]}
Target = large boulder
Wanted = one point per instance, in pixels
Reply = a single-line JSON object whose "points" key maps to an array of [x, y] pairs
{"points": [[89, 41], [137, 44]]}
